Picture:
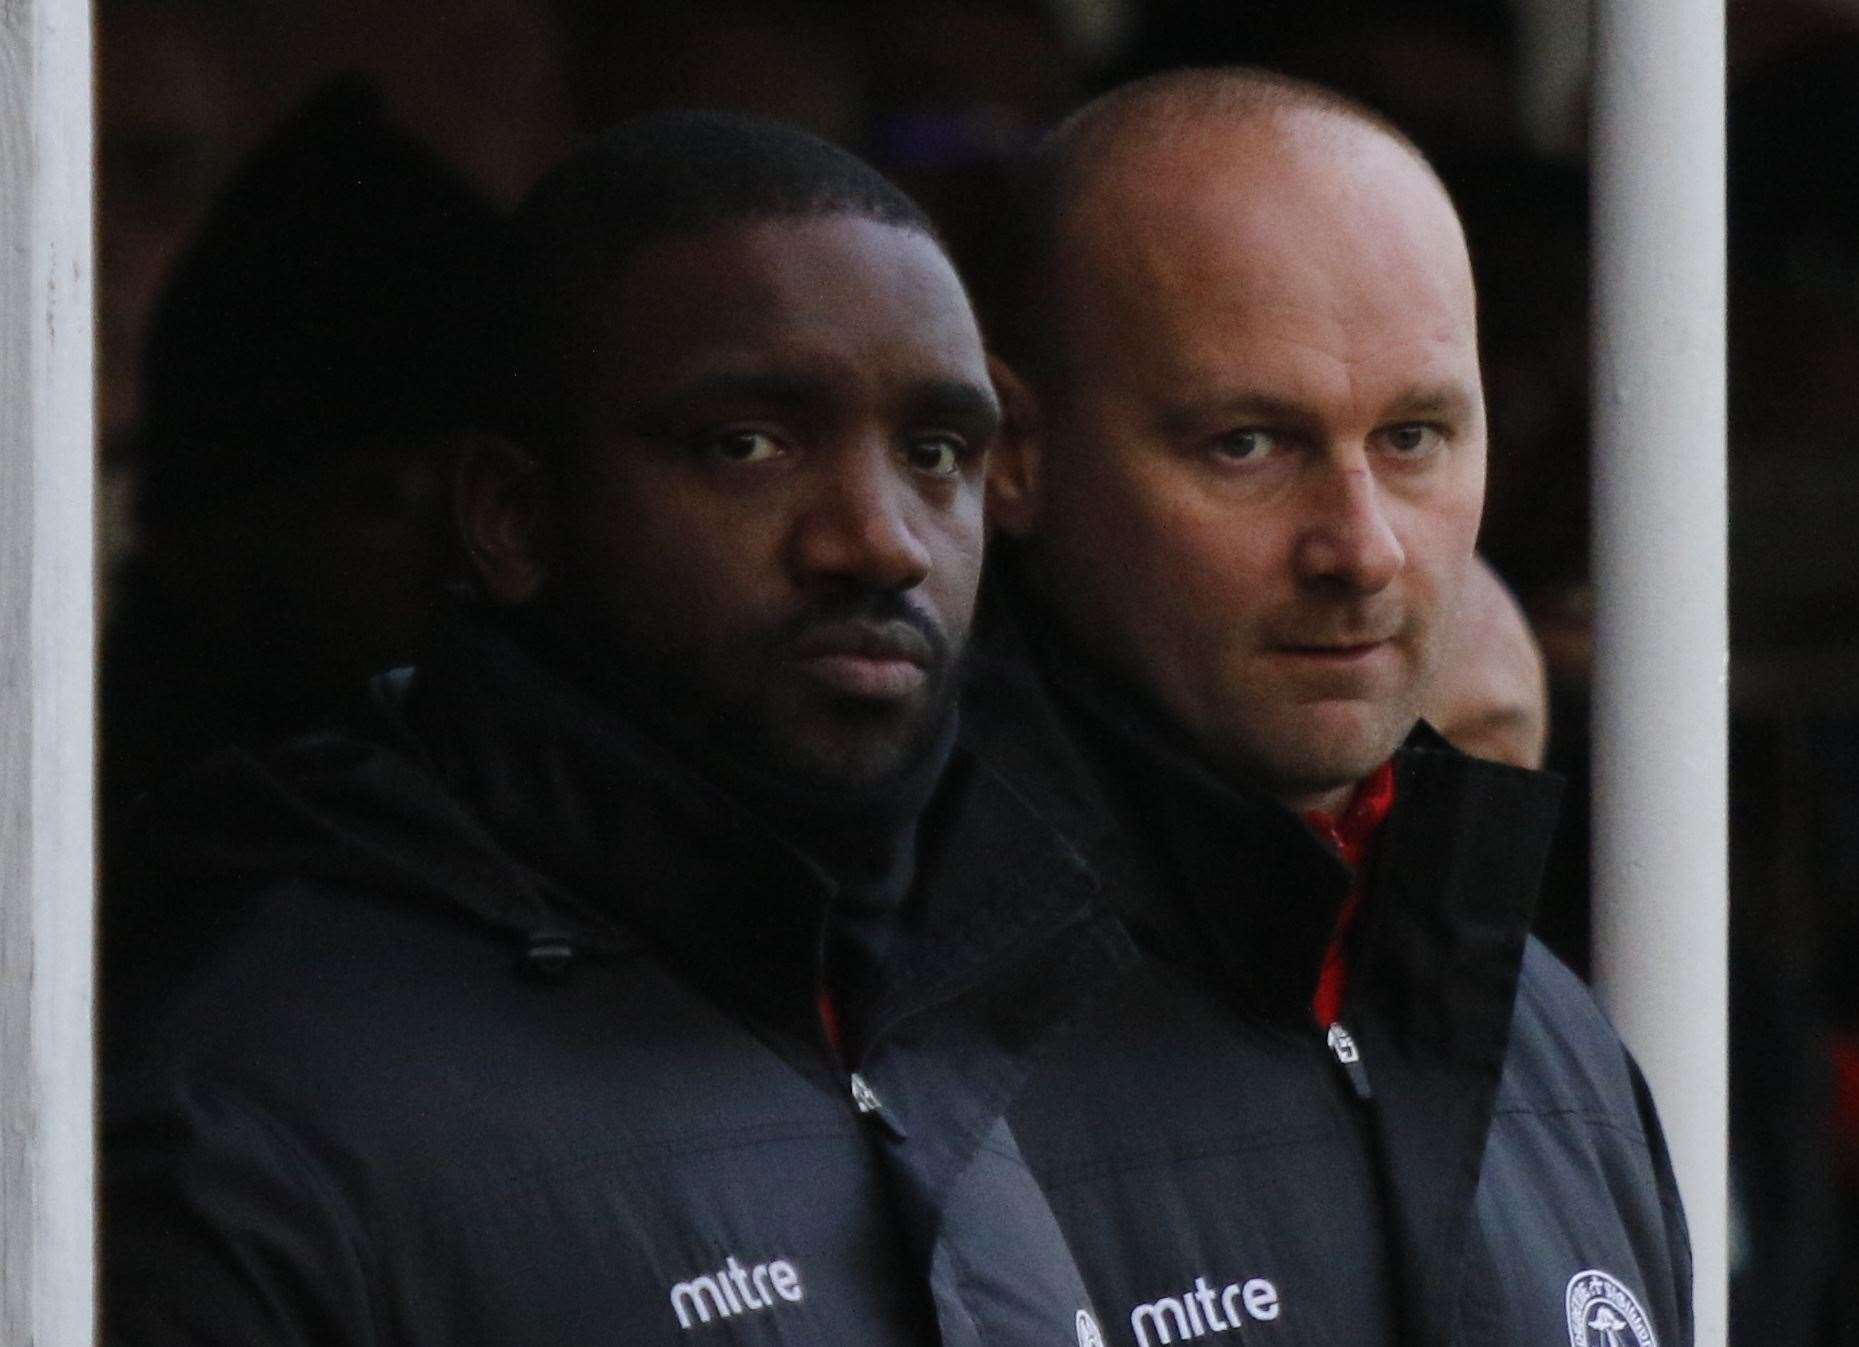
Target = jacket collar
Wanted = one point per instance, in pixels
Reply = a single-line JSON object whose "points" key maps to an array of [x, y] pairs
{"points": [[1217, 874], [1433, 989], [1204, 874], [1256, 893], [1013, 945], [625, 836], [620, 833], [1004, 942]]}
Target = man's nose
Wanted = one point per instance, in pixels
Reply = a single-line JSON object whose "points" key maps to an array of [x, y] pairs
{"points": [[861, 524], [1347, 537]]}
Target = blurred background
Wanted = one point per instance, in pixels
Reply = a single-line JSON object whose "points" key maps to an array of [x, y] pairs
{"points": [[287, 290]]}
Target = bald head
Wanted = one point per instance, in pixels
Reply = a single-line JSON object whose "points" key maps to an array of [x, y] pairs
{"points": [[1230, 120], [1182, 102]]}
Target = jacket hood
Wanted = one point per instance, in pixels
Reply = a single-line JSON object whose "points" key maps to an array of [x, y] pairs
{"points": [[496, 785], [492, 780], [358, 804], [1214, 872]]}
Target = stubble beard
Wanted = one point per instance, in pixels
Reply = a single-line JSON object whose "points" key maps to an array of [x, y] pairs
{"points": [[843, 743]]}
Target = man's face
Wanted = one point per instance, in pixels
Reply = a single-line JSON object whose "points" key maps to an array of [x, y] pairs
{"points": [[771, 506], [1261, 463]]}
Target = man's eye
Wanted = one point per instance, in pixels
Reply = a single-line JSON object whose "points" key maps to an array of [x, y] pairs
{"points": [[938, 455], [1412, 441], [741, 446], [1245, 446]]}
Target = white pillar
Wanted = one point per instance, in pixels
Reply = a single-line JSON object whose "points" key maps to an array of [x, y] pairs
{"points": [[1661, 666], [46, 643]]}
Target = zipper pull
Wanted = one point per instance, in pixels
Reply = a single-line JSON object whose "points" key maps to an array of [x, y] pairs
{"points": [[866, 1104], [1349, 1056], [864, 1098]]}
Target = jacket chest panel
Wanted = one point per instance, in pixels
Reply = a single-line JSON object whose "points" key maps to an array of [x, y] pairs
{"points": [[991, 1271], [617, 1073], [1213, 1177], [775, 1241], [649, 1171], [680, 1181], [1572, 1235], [1262, 1247], [667, 1174], [1563, 1197]]}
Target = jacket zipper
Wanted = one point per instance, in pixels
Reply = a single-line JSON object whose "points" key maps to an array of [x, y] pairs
{"points": [[1348, 1055], [865, 1100], [867, 1105]]}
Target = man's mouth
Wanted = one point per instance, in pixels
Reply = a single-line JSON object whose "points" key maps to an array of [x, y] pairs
{"points": [[1342, 652], [1349, 656], [870, 661]]}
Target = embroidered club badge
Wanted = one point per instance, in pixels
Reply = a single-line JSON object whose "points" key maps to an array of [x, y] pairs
{"points": [[1603, 1313]]}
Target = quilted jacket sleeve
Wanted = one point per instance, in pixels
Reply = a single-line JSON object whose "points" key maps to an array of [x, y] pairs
{"points": [[216, 1229]]}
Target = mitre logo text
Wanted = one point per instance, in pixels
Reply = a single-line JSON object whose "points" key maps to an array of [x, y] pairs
{"points": [[1204, 1310], [734, 1289]]}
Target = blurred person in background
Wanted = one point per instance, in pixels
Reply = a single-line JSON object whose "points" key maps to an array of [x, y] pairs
{"points": [[186, 88], [308, 376], [484, 84], [169, 129], [1491, 698]]}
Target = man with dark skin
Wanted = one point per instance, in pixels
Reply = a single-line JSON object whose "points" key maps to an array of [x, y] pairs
{"points": [[800, 593], [1345, 1099], [655, 958]]}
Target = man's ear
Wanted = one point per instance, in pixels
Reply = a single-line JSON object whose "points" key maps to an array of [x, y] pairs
{"points": [[504, 514], [1013, 467]]}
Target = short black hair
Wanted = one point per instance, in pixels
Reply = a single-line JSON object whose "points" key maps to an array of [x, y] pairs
{"points": [[662, 176], [1020, 318]]}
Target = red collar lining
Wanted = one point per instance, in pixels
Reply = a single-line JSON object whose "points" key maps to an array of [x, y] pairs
{"points": [[1353, 834]]}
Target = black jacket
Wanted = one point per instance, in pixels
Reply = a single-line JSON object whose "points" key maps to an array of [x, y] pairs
{"points": [[507, 1034], [1474, 1160]]}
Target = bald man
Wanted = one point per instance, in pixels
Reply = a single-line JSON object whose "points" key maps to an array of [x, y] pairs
{"points": [[1491, 696], [1346, 1099]]}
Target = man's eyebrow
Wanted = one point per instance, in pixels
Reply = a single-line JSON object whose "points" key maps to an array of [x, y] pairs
{"points": [[767, 387], [1452, 401], [1231, 409], [957, 399]]}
